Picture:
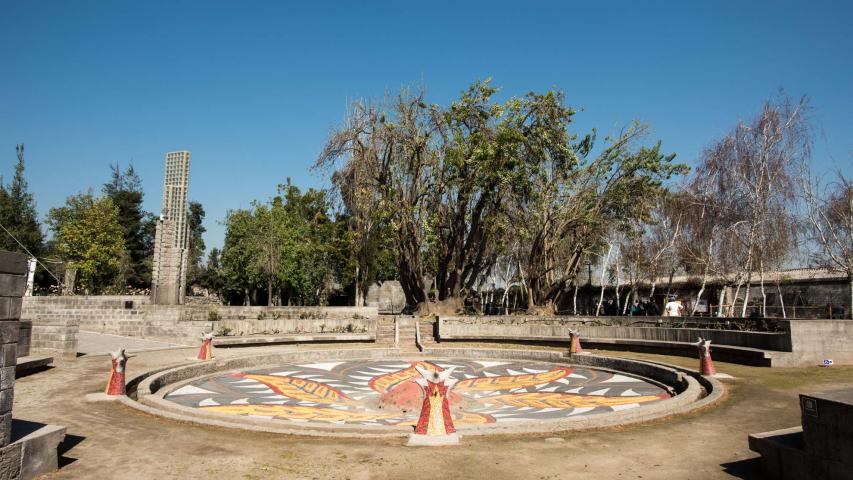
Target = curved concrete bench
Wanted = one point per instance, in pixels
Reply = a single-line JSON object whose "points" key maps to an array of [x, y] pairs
{"points": [[726, 353], [248, 340]]}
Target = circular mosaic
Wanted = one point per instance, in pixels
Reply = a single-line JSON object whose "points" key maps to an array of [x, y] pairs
{"points": [[383, 392]]}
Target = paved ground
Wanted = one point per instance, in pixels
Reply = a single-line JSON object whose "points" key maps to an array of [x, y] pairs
{"points": [[91, 343], [111, 441]]}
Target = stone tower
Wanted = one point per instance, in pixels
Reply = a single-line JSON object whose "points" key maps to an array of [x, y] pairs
{"points": [[169, 267]]}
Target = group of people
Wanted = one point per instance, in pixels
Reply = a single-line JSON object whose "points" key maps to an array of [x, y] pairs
{"points": [[644, 307]]}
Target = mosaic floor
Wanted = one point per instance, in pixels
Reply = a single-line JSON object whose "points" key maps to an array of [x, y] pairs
{"points": [[383, 392]]}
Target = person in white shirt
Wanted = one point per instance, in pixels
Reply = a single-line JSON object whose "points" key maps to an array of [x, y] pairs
{"points": [[674, 308]]}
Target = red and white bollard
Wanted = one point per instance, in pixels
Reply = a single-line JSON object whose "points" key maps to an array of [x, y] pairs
{"points": [[206, 350], [115, 385], [575, 342], [706, 364]]}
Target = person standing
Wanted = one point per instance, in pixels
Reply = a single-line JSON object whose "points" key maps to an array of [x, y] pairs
{"points": [[674, 308], [651, 308]]}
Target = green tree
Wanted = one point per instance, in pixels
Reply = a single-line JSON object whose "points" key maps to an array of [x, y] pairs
{"points": [[125, 191], [18, 213], [211, 277], [452, 182], [88, 235], [195, 219], [239, 275]]}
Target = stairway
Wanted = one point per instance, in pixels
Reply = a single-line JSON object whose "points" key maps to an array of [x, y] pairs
{"points": [[385, 332], [406, 334]]}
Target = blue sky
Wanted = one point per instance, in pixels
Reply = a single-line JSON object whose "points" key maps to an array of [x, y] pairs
{"points": [[253, 88]]}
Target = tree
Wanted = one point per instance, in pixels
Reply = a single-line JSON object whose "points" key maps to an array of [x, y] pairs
{"points": [[573, 201], [451, 180], [125, 191], [287, 246], [744, 186], [89, 237], [195, 219], [211, 276], [239, 274], [18, 213], [830, 223]]}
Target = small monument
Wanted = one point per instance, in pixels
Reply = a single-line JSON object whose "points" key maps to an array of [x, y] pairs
{"points": [[206, 350], [115, 384], [575, 342], [706, 364], [435, 425]]}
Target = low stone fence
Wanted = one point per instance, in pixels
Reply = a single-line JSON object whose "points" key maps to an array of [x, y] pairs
{"points": [[57, 319], [557, 328], [796, 343]]}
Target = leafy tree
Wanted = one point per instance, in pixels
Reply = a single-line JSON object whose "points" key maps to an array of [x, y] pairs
{"points": [[453, 182], [238, 252], [18, 213], [211, 276], [125, 191], [89, 236], [195, 217]]}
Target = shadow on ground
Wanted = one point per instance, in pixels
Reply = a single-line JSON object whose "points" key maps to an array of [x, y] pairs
{"points": [[749, 469], [67, 444]]}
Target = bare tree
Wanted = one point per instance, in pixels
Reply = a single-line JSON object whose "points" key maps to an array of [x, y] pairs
{"points": [[745, 184], [830, 223]]}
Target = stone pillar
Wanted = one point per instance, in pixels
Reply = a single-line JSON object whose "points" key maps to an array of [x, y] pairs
{"points": [[13, 282], [169, 265]]}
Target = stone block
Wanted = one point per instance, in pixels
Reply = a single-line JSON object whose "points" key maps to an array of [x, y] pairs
{"points": [[7, 377], [12, 285], [14, 263], [7, 396], [8, 354], [5, 428], [828, 425], [40, 448], [15, 305], [10, 462], [9, 331]]}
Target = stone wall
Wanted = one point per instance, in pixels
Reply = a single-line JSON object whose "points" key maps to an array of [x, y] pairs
{"points": [[801, 342], [13, 282], [542, 328], [182, 323]]}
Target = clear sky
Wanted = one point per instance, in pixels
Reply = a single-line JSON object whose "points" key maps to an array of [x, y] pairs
{"points": [[252, 88]]}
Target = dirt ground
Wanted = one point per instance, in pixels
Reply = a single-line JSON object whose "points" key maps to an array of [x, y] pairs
{"points": [[107, 440]]}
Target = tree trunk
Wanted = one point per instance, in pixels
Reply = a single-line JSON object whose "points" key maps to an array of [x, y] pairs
{"points": [[358, 302], [722, 300], [698, 297], [734, 299], [746, 295], [575, 300], [781, 300], [603, 273], [851, 297], [269, 292]]}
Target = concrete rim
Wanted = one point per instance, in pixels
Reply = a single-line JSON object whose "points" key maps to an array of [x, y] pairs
{"points": [[693, 392]]}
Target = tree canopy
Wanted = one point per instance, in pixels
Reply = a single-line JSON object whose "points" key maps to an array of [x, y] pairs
{"points": [[18, 213]]}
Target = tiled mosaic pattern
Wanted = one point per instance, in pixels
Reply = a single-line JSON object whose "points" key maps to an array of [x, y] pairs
{"points": [[384, 393]]}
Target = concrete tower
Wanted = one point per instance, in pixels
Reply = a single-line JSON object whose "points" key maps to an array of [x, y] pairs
{"points": [[169, 268]]}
